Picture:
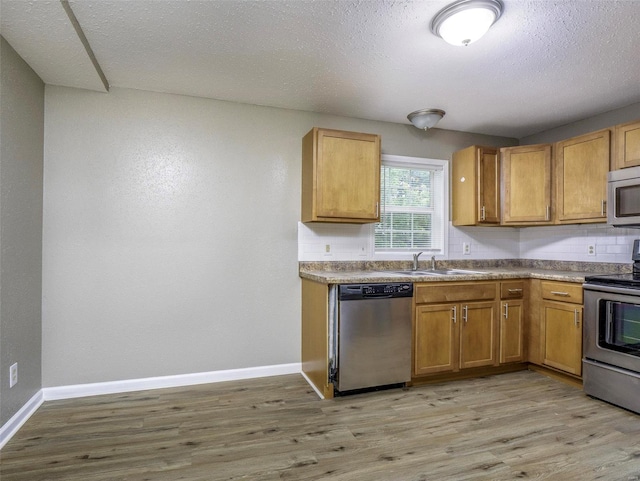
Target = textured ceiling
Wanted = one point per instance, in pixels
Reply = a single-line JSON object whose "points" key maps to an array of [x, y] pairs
{"points": [[545, 63]]}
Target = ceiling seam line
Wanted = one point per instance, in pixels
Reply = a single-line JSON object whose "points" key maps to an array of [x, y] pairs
{"points": [[85, 42]]}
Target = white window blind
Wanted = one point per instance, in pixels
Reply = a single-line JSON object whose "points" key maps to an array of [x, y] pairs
{"points": [[413, 205]]}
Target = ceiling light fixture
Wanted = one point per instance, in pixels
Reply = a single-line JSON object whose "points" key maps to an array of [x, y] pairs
{"points": [[426, 118], [465, 21]]}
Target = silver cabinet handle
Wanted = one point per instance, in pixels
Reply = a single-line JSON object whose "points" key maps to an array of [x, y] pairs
{"points": [[483, 213], [603, 206], [548, 214], [559, 293], [514, 291], [454, 315], [465, 312], [377, 209], [576, 317], [506, 310]]}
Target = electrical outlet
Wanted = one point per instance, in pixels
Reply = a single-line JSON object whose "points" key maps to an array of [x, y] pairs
{"points": [[327, 248], [591, 250], [13, 375], [466, 248]]}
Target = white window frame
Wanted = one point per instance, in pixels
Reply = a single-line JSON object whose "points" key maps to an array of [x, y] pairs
{"points": [[438, 223]]}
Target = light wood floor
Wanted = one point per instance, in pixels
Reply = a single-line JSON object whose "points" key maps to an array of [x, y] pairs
{"points": [[512, 426]]}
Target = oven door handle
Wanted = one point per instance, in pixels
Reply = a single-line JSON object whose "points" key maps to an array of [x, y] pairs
{"points": [[609, 325]]}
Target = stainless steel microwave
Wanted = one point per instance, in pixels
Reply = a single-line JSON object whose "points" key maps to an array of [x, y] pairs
{"points": [[623, 197]]}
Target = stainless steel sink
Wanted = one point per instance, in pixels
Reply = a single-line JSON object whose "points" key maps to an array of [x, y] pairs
{"points": [[459, 272], [438, 272]]}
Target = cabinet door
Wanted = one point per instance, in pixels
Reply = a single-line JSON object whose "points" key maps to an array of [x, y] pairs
{"points": [[464, 187], [478, 338], [511, 331], [489, 186], [582, 164], [475, 186], [562, 324], [627, 144], [348, 175], [526, 180], [435, 339]]}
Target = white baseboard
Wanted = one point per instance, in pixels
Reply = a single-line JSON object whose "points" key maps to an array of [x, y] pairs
{"points": [[129, 385], [12, 425], [115, 387]]}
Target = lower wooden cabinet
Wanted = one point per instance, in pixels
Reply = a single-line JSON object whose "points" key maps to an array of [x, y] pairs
{"points": [[561, 326], [466, 325], [478, 334], [449, 336], [435, 339], [563, 336], [512, 332]]}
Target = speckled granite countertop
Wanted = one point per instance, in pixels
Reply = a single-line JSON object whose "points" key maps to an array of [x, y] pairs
{"points": [[370, 271]]}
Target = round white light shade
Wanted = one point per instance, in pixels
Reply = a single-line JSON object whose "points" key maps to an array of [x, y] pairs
{"points": [[425, 118], [465, 21]]}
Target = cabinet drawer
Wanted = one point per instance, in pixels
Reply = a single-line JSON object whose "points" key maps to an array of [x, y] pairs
{"points": [[562, 291], [512, 290], [455, 292]]}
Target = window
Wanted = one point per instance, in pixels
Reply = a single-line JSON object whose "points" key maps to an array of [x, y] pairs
{"points": [[413, 197]]}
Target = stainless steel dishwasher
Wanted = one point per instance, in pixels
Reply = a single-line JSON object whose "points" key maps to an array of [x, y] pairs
{"points": [[373, 336]]}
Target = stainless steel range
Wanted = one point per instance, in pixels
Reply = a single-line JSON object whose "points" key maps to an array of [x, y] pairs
{"points": [[611, 363]]}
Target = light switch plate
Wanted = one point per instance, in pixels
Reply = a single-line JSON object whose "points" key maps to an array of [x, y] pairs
{"points": [[13, 374]]}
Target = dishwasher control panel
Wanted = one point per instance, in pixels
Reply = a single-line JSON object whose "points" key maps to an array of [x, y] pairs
{"points": [[367, 291]]}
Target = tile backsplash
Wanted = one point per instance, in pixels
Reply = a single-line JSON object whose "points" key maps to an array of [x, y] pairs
{"points": [[586, 242], [335, 242]]}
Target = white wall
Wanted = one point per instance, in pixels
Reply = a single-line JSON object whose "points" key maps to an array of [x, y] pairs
{"points": [[170, 231], [21, 147], [591, 124], [169, 223]]}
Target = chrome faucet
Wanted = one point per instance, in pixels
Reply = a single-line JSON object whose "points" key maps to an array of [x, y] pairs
{"points": [[433, 263], [415, 261]]}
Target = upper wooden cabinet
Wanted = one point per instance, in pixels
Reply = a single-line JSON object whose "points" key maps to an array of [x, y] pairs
{"points": [[581, 167], [526, 183], [475, 186], [627, 144], [340, 176]]}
